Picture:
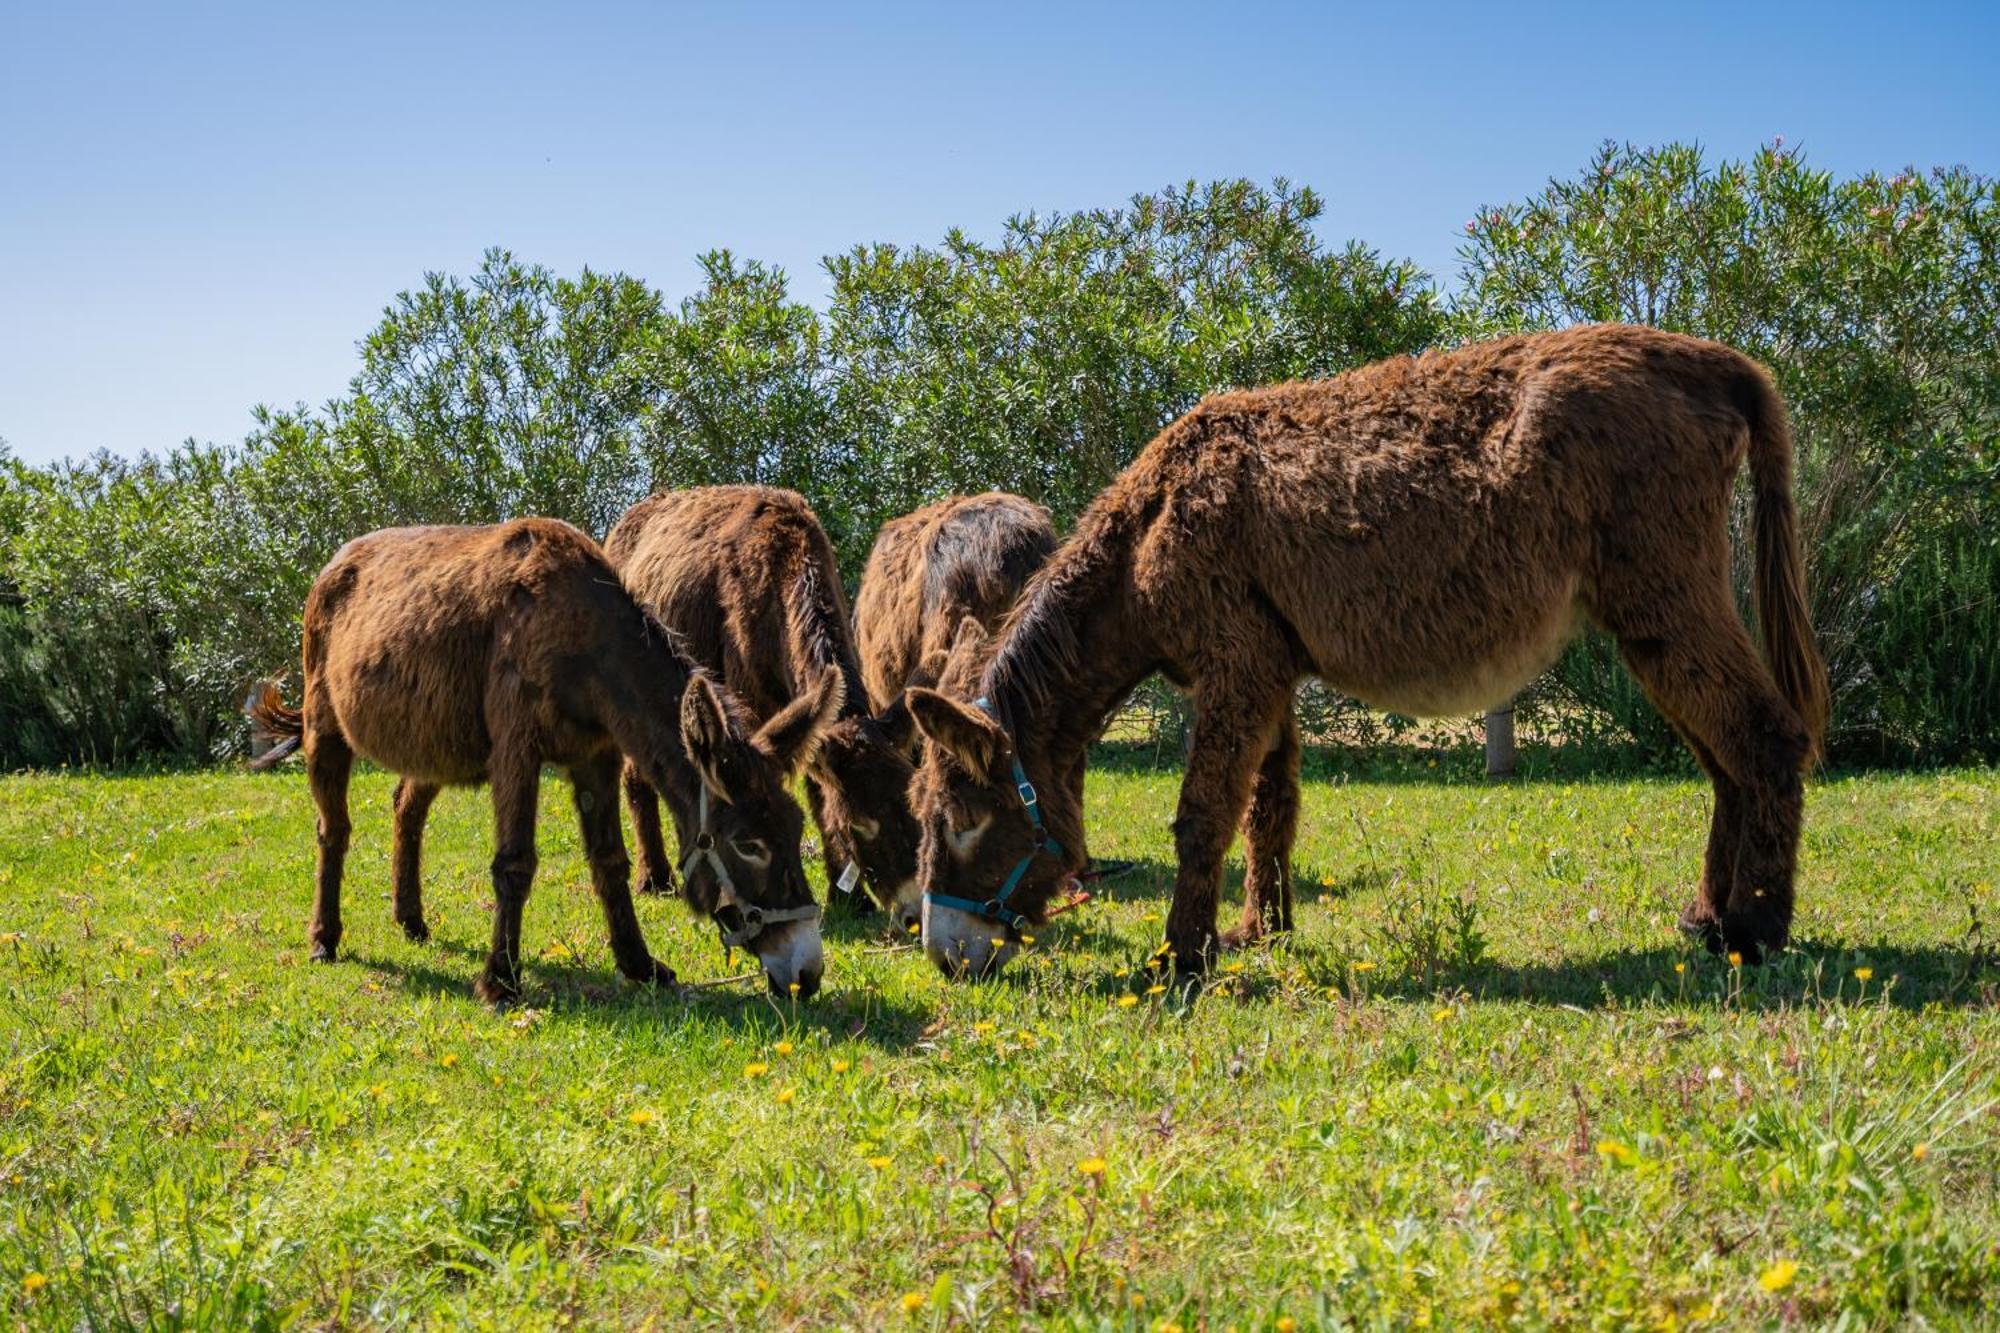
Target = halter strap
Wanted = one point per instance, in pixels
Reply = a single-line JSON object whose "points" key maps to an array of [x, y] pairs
{"points": [[996, 908], [756, 920]]}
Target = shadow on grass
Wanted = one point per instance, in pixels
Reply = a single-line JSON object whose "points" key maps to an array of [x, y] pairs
{"points": [[1808, 975], [1412, 766], [576, 990]]}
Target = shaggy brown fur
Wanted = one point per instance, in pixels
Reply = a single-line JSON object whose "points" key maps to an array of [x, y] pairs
{"points": [[468, 655], [1423, 533], [747, 581], [964, 555]]}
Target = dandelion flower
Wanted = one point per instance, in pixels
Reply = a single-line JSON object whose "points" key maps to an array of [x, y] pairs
{"points": [[1778, 1276], [1363, 966], [1735, 958], [1921, 1151], [756, 1069], [1440, 1015], [842, 1066], [915, 928], [1285, 1324], [913, 1301], [981, 1029], [1864, 974], [447, 1060], [1127, 1001], [1613, 1150], [1091, 1166], [642, 1116], [33, 1283], [785, 1096], [1156, 989], [1027, 939], [783, 1048], [793, 988], [1680, 967], [880, 1163]]}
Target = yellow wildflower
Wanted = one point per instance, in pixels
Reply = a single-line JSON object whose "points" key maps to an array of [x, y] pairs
{"points": [[642, 1116], [33, 1283], [1864, 973], [1921, 1151], [1156, 989], [447, 1060], [785, 1096], [1127, 1001], [879, 1163], [1286, 1324], [1778, 1276], [1680, 967], [1618, 1152], [783, 1048], [842, 1066], [1091, 1166], [913, 1301], [756, 1069], [1362, 966], [1735, 958]]}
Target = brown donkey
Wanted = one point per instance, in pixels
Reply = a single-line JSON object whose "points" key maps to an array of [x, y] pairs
{"points": [[746, 580], [1423, 533], [465, 655], [964, 555]]}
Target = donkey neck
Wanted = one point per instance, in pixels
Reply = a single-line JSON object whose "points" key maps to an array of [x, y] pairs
{"points": [[1069, 655]]}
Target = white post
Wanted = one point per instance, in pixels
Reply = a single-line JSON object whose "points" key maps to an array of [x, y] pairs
{"points": [[1500, 742]]}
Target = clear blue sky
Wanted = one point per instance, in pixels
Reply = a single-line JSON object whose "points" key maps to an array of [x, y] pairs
{"points": [[204, 208]]}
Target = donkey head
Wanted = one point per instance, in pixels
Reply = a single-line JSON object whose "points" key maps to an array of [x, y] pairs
{"points": [[865, 768], [741, 840], [987, 861]]}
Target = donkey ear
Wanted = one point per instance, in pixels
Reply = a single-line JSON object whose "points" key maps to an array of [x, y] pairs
{"points": [[705, 732], [792, 737], [898, 727], [966, 734]]}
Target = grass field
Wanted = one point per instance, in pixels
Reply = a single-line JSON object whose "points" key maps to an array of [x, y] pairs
{"points": [[1485, 1082]]}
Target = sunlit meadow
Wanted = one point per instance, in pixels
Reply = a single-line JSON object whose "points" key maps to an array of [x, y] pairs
{"points": [[1484, 1083]]}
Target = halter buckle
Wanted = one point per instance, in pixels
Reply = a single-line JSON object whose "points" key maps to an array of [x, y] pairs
{"points": [[1026, 791]]}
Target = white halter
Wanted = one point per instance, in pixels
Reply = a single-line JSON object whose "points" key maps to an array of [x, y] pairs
{"points": [[755, 919]]}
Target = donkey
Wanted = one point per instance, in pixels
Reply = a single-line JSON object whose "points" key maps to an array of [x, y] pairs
{"points": [[964, 555], [462, 655], [1424, 533], [745, 578]]}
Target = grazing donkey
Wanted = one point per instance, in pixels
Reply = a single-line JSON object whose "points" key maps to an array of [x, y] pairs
{"points": [[746, 580], [964, 555], [1423, 533], [457, 655]]}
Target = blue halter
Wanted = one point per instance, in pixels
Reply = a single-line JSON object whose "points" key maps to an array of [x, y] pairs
{"points": [[996, 908]]}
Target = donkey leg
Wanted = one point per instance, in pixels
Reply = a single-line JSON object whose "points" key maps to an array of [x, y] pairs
{"points": [[413, 806], [1702, 915], [594, 784], [515, 772], [1234, 720], [655, 870], [1269, 827], [329, 761], [1708, 678]]}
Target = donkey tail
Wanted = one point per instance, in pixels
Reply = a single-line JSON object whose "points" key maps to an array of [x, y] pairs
{"points": [[1780, 578], [271, 721]]}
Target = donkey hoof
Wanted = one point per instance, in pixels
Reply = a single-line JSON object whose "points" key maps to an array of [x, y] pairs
{"points": [[323, 953], [497, 990], [663, 976], [415, 930], [658, 886], [1696, 923]]}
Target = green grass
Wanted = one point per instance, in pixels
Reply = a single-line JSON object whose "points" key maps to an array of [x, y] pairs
{"points": [[1485, 1081]]}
